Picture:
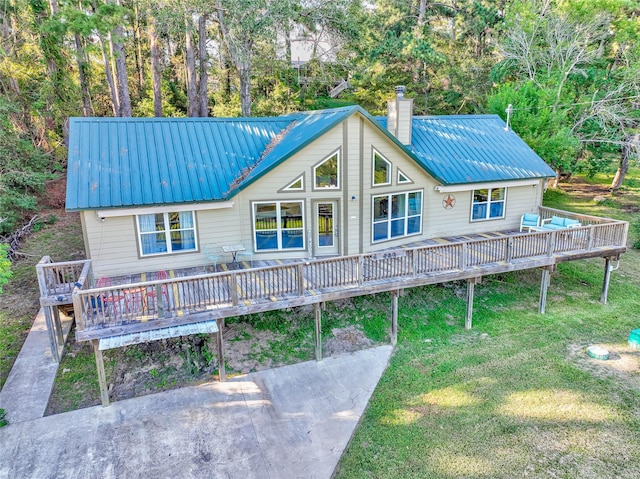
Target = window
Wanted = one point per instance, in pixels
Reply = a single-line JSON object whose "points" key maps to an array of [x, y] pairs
{"points": [[326, 173], [402, 178], [488, 203], [278, 225], [381, 170], [397, 215], [164, 233], [295, 185]]}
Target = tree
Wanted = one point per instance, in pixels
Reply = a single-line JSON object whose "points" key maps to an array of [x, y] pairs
{"points": [[575, 57], [243, 24]]}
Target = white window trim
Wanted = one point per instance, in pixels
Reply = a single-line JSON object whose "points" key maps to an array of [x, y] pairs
{"points": [[279, 228], [167, 235], [290, 188], [489, 218], [373, 169], [327, 158], [408, 180], [388, 220]]}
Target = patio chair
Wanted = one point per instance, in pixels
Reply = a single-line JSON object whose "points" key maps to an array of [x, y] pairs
{"points": [[246, 255], [211, 253], [110, 298], [529, 220]]}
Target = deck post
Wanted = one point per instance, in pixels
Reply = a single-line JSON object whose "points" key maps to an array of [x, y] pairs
{"points": [[52, 333], [233, 285], [300, 273], [544, 284], [58, 325], [318, 324], [102, 378], [471, 283], [605, 282], [394, 317], [221, 368]]}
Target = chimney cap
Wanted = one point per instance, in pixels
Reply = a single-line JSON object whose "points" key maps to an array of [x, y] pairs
{"points": [[400, 89]]}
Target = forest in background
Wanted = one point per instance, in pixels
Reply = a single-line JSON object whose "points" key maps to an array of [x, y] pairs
{"points": [[570, 69]]}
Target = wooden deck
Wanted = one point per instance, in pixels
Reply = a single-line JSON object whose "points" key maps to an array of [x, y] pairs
{"points": [[140, 303]]}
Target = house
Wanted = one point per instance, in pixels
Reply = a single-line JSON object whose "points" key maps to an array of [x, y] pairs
{"points": [[153, 192]]}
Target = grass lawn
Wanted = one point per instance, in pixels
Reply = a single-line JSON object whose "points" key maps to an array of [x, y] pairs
{"points": [[517, 396], [58, 235]]}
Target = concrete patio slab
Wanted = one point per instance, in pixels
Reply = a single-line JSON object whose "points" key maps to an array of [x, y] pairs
{"points": [[289, 422]]}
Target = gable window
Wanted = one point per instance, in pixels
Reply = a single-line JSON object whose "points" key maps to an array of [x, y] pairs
{"points": [[295, 185], [397, 215], [326, 173], [402, 178], [165, 233], [488, 203], [381, 170], [278, 225]]}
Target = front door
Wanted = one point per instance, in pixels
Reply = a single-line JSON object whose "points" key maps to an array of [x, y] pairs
{"points": [[326, 226]]}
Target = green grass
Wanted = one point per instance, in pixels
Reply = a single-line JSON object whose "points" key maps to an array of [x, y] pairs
{"points": [[19, 302], [516, 396]]}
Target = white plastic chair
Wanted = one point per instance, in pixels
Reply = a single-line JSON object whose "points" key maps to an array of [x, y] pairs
{"points": [[246, 255], [212, 255]]}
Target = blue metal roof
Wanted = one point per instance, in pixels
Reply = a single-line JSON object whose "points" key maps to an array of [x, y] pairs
{"points": [[459, 149], [120, 162], [124, 162], [305, 129]]}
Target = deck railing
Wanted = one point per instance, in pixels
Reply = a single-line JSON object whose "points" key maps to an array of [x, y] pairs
{"points": [[55, 279], [151, 304]]}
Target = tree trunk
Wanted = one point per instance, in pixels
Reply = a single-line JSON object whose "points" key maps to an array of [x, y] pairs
{"points": [[138, 41], [115, 101], [244, 71], [117, 44], [190, 58], [8, 42], [156, 76], [203, 97], [121, 72], [240, 55], [82, 77], [630, 143]]}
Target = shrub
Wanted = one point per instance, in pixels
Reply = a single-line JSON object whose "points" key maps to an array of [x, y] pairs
{"points": [[5, 266], [635, 230]]}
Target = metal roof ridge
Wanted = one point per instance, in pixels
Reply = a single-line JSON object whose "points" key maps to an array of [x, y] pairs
{"points": [[212, 119]]}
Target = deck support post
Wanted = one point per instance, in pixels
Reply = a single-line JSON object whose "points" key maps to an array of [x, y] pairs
{"points": [[58, 330], [221, 368], [52, 333], [471, 284], [605, 282], [318, 324], [102, 378], [394, 317], [544, 284]]}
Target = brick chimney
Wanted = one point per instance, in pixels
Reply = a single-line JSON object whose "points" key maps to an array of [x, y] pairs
{"points": [[399, 116]]}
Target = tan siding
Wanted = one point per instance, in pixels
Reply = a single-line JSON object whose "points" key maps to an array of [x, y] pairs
{"points": [[457, 220], [113, 246]]}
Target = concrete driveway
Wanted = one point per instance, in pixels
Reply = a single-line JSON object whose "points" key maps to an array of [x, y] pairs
{"points": [[289, 422]]}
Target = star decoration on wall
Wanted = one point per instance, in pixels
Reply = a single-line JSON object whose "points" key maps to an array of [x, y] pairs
{"points": [[448, 202]]}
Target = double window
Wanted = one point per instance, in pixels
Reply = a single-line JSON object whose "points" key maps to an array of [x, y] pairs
{"points": [[164, 233], [488, 203], [397, 215], [278, 225]]}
